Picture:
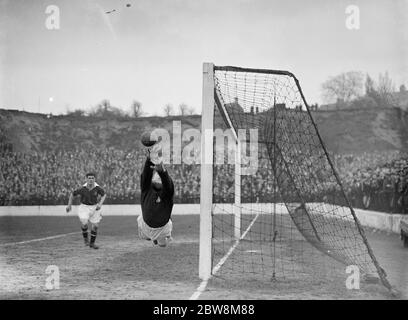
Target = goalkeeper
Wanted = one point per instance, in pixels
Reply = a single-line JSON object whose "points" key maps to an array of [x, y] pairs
{"points": [[157, 191]]}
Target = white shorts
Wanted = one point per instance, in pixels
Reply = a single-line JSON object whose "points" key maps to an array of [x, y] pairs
{"points": [[89, 213], [162, 234]]}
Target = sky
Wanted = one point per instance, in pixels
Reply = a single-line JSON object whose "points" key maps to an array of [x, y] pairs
{"points": [[153, 51]]}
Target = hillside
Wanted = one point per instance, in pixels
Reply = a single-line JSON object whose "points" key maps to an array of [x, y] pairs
{"points": [[344, 131], [364, 130]]}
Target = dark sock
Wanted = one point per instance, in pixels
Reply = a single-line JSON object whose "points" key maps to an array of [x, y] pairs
{"points": [[85, 232], [93, 236]]}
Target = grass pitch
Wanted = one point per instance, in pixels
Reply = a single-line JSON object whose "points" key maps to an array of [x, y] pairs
{"points": [[126, 267]]}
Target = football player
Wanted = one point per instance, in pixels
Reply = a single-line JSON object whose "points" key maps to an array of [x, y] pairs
{"points": [[157, 191], [89, 210]]}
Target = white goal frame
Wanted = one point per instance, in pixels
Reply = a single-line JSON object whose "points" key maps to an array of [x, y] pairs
{"points": [[206, 192], [210, 100]]}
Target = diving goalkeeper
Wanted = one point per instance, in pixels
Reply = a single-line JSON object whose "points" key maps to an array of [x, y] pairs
{"points": [[157, 191]]}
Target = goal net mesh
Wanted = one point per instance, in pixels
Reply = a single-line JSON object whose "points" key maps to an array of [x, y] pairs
{"points": [[295, 220]]}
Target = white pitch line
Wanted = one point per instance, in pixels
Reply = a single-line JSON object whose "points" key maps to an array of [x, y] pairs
{"points": [[204, 283], [36, 240]]}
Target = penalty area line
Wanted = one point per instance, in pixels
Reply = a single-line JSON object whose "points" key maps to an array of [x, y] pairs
{"points": [[201, 288], [39, 239]]}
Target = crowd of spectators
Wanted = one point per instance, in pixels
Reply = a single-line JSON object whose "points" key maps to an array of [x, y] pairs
{"points": [[377, 181], [47, 178]]}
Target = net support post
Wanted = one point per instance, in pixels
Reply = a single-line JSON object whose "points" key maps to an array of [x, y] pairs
{"points": [[206, 190], [237, 191]]}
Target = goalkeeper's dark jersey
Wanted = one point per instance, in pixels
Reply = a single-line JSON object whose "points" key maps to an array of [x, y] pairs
{"points": [[89, 196], [156, 204]]}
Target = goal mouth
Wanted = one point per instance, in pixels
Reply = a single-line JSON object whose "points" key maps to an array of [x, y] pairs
{"points": [[291, 215]]}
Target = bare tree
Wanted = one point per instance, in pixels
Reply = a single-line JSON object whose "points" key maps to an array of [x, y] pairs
{"points": [[136, 109], [104, 106], [106, 110], [385, 89], [343, 87], [382, 92], [168, 109], [369, 86], [183, 109], [101, 109], [191, 111]]}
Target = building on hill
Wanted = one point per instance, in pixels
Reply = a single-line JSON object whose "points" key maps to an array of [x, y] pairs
{"points": [[254, 110], [234, 107], [400, 98], [339, 104]]}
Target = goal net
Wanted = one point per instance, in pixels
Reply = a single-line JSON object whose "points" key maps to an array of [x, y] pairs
{"points": [[272, 204]]}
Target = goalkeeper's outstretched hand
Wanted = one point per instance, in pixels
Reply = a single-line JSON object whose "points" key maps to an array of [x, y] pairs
{"points": [[148, 150], [158, 167]]}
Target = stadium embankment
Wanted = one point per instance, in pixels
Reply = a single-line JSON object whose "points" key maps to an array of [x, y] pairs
{"points": [[373, 219]]}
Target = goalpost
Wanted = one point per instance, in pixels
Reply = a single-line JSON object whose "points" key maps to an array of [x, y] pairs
{"points": [[207, 129], [288, 218], [206, 191]]}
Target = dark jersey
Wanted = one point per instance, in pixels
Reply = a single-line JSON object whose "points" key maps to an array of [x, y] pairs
{"points": [[156, 204], [89, 196]]}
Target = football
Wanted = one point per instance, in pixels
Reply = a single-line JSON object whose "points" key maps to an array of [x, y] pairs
{"points": [[147, 139]]}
